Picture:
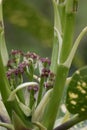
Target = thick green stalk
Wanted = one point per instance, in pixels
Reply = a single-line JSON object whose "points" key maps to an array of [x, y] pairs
{"points": [[68, 38], [54, 55], [57, 19], [61, 52], [62, 14], [68, 30], [56, 42], [54, 103]]}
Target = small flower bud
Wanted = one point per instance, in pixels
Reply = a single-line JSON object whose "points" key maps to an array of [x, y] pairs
{"points": [[9, 73], [45, 61], [34, 88], [45, 72], [31, 55], [16, 52]]}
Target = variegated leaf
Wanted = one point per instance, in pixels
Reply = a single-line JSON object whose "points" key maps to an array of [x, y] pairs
{"points": [[76, 100]]}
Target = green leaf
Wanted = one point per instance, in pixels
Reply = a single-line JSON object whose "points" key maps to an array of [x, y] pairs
{"points": [[37, 115], [74, 48], [3, 49], [18, 124], [19, 87], [26, 110], [3, 113], [76, 100]]}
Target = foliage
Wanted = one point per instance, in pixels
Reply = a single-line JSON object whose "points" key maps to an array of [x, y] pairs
{"points": [[33, 88]]}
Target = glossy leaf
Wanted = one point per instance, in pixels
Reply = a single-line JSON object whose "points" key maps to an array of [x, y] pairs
{"points": [[76, 100]]}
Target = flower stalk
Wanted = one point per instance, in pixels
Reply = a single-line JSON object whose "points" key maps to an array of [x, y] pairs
{"points": [[70, 14], [61, 70], [54, 102]]}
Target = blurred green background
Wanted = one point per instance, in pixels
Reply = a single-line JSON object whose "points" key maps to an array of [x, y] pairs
{"points": [[29, 27]]}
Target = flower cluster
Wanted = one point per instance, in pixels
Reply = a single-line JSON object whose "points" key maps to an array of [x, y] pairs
{"points": [[29, 67], [20, 63], [45, 61]]}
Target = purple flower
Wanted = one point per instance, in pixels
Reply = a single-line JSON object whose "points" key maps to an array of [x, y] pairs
{"points": [[45, 60], [9, 73], [45, 72], [34, 88], [10, 63], [15, 52], [34, 56], [52, 76], [49, 84], [21, 67]]}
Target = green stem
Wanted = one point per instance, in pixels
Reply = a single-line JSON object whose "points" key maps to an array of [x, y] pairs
{"points": [[32, 100], [54, 55], [54, 103], [61, 51], [40, 90], [62, 14], [68, 30], [70, 123], [56, 42], [20, 94], [31, 73], [57, 19]]}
